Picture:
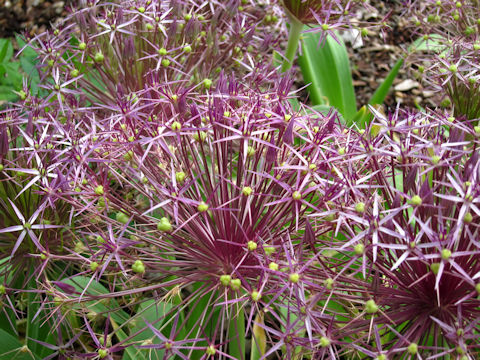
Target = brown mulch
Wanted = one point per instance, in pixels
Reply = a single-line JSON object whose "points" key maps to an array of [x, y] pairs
{"points": [[36, 16], [372, 62]]}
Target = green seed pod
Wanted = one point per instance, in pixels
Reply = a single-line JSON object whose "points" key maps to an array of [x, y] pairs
{"points": [[164, 225], [412, 348], [360, 207], [225, 280], [255, 295], [273, 266], [252, 245], [235, 284], [138, 267], [247, 191], [121, 217], [324, 342], [99, 57], [371, 307], [202, 207], [94, 265], [211, 350], [207, 83], [294, 278]]}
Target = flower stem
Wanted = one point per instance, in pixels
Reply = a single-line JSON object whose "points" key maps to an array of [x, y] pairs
{"points": [[292, 46]]}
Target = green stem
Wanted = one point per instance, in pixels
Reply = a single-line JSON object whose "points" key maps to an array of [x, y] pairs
{"points": [[292, 46]]}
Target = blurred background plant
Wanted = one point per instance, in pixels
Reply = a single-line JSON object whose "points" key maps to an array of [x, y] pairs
{"points": [[14, 70]]}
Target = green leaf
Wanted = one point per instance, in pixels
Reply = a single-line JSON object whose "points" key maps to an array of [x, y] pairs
{"points": [[236, 332], [12, 75], [327, 69], [200, 309], [259, 339], [7, 94], [361, 117], [94, 288], [6, 50], [11, 348], [150, 311], [326, 109], [295, 104], [379, 96], [28, 66], [434, 42], [27, 52], [7, 321]]}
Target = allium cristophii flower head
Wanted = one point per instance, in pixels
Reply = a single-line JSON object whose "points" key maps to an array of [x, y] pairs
{"points": [[446, 51], [33, 221], [213, 201], [113, 51], [409, 214]]}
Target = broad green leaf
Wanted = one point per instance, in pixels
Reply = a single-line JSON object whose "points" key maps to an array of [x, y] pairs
{"points": [[6, 50], [12, 75], [130, 352], [28, 66], [12, 349], [361, 117], [295, 103], [236, 332], [326, 109], [434, 42], [7, 321], [202, 309], [149, 311], [27, 51], [7, 94], [327, 69], [109, 306]]}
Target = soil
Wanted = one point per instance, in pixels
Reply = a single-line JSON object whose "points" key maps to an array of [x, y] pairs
{"points": [[381, 49], [31, 16]]}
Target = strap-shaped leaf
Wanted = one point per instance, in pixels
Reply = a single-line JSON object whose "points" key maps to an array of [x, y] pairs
{"points": [[379, 96], [327, 69], [363, 115]]}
